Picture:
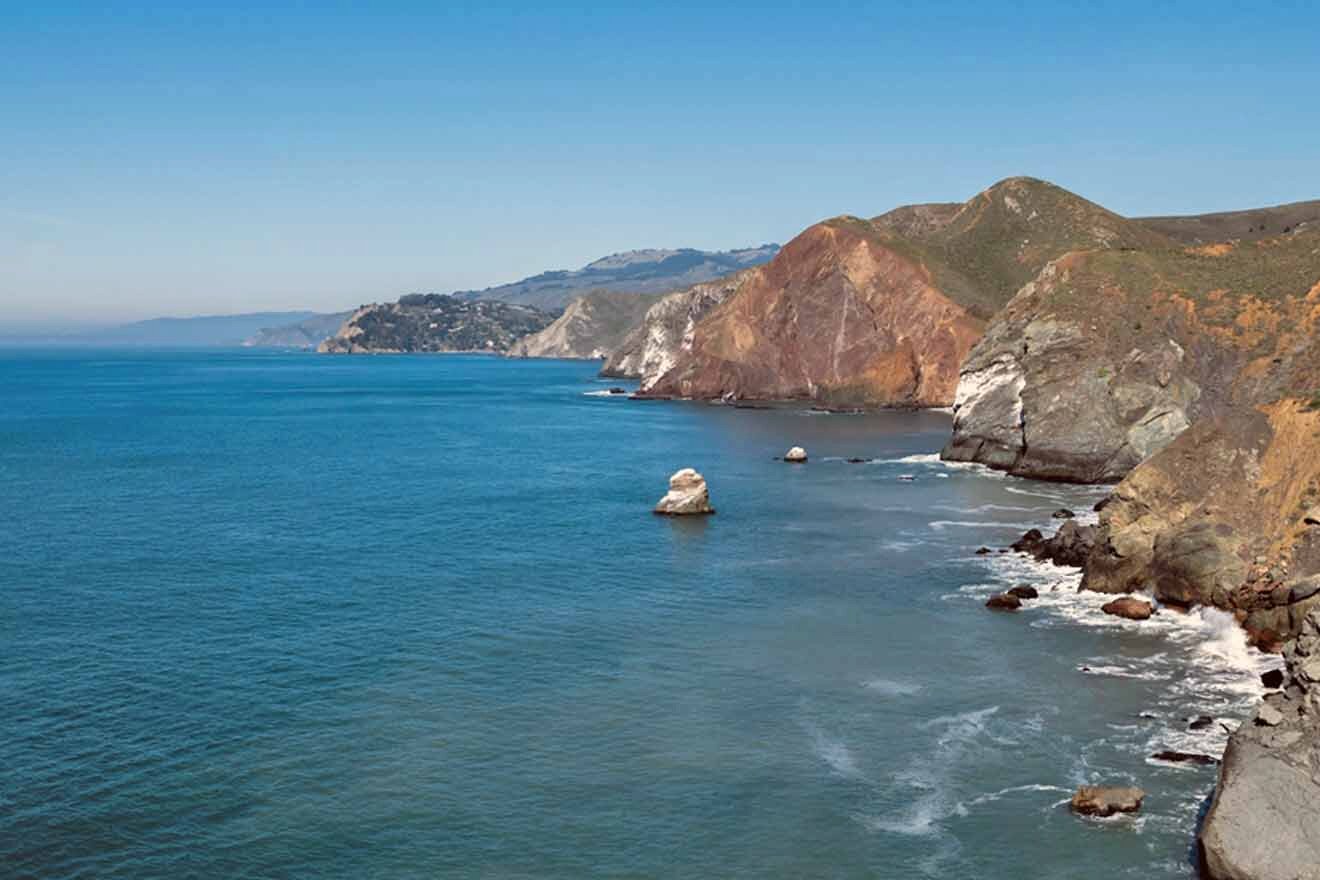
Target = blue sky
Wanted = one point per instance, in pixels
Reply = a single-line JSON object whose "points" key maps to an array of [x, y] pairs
{"points": [[223, 157]]}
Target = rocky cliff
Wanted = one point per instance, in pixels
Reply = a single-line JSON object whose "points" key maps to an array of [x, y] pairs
{"points": [[1262, 822], [591, 327], [434, 323], [651, 348], [1228, 515], [1106, 356], [883, 312]]}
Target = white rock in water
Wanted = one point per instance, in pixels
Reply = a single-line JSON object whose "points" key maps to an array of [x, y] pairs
{"points": [[687, 495], [796, 455]]}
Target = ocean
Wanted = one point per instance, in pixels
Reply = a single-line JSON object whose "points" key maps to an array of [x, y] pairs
{"points": [[275, 615]]}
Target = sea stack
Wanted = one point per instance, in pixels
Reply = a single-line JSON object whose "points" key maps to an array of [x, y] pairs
{"points": [[796, 455], [687, 495]]}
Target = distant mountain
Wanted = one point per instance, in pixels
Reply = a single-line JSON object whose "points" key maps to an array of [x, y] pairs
{"points": [[643, 271], [308, 333], [210, 331], [1250, 225]]}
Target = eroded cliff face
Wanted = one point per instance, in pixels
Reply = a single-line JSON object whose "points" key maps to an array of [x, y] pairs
{"points": [[882, 312], [652, 347], [839, 317], [1107, 356], [591, 327]]}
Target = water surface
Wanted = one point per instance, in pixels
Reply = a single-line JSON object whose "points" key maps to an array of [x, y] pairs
{"points": [[279, 615]]}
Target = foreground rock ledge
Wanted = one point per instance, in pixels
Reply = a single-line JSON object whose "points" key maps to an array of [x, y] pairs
{"points": [[687, 495], [1101, 800], [1263, 820]]}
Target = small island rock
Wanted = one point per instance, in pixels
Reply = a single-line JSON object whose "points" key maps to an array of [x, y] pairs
{"points": [[1132, 609], [1003, 602], [796, 455], [687, 495], [1099, 800]]}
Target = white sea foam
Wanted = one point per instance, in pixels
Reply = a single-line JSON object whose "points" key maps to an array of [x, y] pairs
{"points": [[835, 753], [963, 808], [604, 394], [889, 688]]}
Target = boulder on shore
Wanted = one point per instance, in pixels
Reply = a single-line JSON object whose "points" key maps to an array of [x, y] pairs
{"points": [[796, 455], [1132, 609], [1261, 823], [1003, 602], [687, 495], [1100, 800]]}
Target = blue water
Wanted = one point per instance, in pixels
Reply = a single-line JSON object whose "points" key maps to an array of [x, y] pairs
{"points": [[280, 615]]}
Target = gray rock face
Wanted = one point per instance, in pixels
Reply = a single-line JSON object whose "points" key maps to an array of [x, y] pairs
{"points": [[591, 327], [1197, 563], [1040, 397], [1263, 819], [651, 348], [687, 495]]}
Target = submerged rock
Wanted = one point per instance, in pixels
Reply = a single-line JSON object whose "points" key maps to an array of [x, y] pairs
{"points": [[1261, 823], [796, 455], [1175, 757], [1132, 609], [687, 495], [1200, 722], [1003, 602], [1099, 800], [1063, 513], [1023, 591]]}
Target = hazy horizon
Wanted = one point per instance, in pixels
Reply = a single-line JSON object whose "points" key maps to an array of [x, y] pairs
{"points": [[196, 161]]}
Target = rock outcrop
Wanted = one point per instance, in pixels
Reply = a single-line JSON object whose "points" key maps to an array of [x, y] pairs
{"points": [[434, 323], [1262, 821], [1071, 545], [883, 312], [1099, 800], [1218, 518], [1106, 356], [591, 327], [687, 495]]}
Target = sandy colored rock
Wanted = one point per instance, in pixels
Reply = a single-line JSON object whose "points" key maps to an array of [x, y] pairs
{"points": [[1099, 800], [687, 495], [797, 455]]}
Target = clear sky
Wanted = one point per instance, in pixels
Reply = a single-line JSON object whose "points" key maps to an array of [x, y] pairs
{"points": [[194, 158]]}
